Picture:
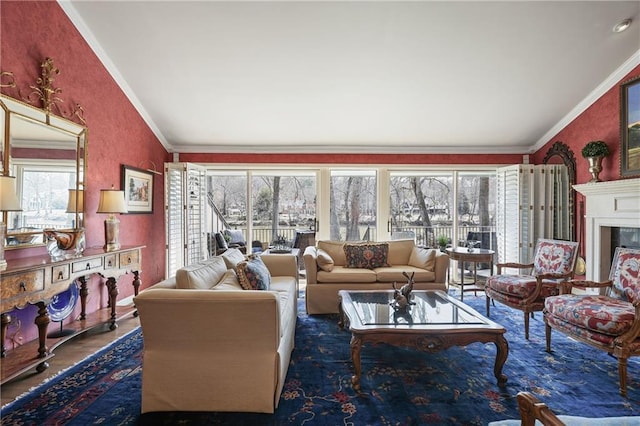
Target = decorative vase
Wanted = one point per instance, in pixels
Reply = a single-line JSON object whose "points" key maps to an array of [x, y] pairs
{"points": [[65, 244], [595, 167]]}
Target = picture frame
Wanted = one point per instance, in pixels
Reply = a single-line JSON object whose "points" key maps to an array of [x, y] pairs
{"points": [[137, 185], [630, 128]]}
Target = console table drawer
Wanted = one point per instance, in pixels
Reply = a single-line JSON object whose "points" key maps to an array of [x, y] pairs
{"points": [[87, 265], [129, 258], [110, 261], [59, 273], [15, 285]]}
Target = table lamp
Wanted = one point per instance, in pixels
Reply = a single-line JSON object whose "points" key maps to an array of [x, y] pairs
{"points": [[112, 202], [8, 202], [75, 204]]}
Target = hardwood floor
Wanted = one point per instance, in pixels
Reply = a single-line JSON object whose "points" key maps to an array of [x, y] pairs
{"points": [[67, 355]]}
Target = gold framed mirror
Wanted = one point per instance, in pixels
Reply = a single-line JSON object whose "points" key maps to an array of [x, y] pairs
{"points": [[46, 154]]}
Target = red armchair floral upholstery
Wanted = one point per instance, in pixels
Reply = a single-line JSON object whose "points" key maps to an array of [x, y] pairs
{"points": [[553, 262], [609, 321]]}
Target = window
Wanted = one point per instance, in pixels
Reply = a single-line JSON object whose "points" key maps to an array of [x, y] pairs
{"points": [[353, 205], [421, 204], [43, 191]]}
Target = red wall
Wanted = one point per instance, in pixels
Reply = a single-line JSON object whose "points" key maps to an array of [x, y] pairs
{"points": [[30, 31], [601, 121]]}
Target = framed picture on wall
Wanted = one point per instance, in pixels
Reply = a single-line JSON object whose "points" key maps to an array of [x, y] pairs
{"points": [[138, 189], [630, 128]]}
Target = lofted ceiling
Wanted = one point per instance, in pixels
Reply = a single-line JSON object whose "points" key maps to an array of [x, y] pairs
{"points": [[360, 76]]}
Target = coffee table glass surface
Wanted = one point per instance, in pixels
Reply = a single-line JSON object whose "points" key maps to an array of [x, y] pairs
{"points": [[432, 322], [430, 308]]}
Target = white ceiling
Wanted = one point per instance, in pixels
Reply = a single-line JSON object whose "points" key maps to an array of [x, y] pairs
{"points": [[357, 76]]}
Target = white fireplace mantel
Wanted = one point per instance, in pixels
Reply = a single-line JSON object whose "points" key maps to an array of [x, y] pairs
{"points": [[608, 205]]}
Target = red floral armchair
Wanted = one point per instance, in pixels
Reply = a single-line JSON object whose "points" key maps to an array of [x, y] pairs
{"points": [[553, 262], [609, 321]]}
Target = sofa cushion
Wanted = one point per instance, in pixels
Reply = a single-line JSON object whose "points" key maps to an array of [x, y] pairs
{"points": [[229, 281], [400, 251], [423, 258], [394, 273], [203, 275], [253, 274], [341, 275], [335, 249], [325, 262], [232, 257], [367, 256]]}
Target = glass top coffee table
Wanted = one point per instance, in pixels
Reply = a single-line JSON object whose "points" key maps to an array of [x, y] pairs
{"points": [[433, 323]]}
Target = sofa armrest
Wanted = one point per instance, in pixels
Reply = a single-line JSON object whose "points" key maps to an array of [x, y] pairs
{"points": [[310, 258], [442, 266], [180, 321], [281, 265]]}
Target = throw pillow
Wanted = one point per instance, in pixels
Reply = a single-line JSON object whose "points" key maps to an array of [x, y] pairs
{"points": [[235, 235], [253, 274], [423, 258], [367, 256], [325, 262]]}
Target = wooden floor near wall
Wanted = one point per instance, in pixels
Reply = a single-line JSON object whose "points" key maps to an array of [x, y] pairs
{"points": [[67, 355]]}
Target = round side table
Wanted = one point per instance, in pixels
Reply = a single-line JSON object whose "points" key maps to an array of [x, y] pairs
{"points": [[475, 256]]}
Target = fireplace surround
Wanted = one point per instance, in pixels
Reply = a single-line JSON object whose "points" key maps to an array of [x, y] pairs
{"points": [[609, 206]]}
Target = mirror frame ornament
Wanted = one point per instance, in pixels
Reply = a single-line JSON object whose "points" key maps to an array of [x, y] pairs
{"points": [[559, 149], [38, 107]]}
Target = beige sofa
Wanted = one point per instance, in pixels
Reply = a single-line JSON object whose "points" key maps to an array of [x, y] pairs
{"points": [[210, 345], [327, 272]]}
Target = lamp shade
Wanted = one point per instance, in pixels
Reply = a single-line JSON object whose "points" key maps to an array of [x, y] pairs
{"points": [[76, 201], [8, 197], [112, 201]]}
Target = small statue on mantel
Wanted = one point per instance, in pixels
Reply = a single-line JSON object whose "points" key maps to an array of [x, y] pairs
{"points": [[402, 296]]}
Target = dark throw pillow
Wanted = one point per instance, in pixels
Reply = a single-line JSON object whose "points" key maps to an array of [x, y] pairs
{"points": [[367, 256]]}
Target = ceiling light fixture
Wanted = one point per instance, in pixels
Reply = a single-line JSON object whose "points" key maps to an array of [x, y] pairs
{"points": [[621, 26]]}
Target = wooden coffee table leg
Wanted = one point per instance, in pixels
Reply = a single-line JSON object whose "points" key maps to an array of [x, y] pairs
{"points": [[356, 348], [502, 351]]}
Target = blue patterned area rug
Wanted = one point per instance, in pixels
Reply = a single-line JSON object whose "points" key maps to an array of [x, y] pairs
{"points": [[399, 386]]}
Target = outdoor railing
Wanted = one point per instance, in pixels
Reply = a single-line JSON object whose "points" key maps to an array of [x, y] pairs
{"points": [[423, 235]]}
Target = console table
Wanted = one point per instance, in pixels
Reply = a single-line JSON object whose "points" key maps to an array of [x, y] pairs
{"points": [[36, 280]]}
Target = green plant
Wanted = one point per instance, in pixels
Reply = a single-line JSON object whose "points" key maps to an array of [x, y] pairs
{"points": [[595, 149], [442, 240]]}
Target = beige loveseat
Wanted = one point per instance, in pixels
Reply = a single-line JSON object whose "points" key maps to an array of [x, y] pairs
{"points": [[210, 345], [327, 271]]}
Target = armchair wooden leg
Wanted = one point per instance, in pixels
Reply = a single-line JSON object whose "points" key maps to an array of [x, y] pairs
{"points": [[488, 303], [526, 325], [547, 334], [622, 371]]}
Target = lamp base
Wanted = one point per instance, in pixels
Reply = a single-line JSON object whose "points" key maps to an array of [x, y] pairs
{"points": [[112, 233], [3, 233], [111, 246]]}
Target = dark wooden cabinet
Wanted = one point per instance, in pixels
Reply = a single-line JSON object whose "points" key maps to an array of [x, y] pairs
{"points": [[36, 280]]}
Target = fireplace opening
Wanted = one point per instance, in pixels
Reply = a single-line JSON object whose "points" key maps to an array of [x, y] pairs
{"points": [[624, 237]]}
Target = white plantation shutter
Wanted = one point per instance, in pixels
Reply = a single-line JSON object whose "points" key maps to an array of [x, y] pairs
{"points": [[185, 197], [531, 204], [174, 220]]}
